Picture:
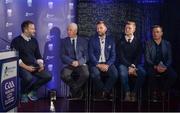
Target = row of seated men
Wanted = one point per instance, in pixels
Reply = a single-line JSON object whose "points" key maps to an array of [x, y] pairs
{"points": [[115, 60]]}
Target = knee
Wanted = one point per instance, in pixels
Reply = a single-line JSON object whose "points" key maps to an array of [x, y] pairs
{"points": [[141, 72], [95, 73], [28, 79], [48, 77], [86, 74], [113, 73], [123, 71], [63, 75]]}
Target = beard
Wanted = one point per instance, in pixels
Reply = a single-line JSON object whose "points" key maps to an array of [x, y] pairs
{"points": [[101, 34], [32, 34]]}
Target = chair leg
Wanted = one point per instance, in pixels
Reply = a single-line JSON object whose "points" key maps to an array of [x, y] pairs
{"points": [[114, 100]]}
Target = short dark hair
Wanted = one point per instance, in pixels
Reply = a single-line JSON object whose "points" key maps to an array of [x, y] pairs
{"points": [[130, 22], [25, 24], [101, 22], [157, 26]]}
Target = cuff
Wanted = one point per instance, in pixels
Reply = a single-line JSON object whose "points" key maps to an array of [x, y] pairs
{"points": [[40, 61]]}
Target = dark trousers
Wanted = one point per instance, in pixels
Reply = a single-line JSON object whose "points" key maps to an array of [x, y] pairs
{"points": [[163, 81], [124, 77], [75, 84], [98, 84], [27, 83]]}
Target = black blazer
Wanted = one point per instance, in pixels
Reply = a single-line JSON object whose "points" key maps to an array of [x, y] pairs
{"points": [[150, 53]]}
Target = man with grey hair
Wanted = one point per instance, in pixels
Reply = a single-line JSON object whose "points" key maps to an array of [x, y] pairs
{"points": [[74, 56]]}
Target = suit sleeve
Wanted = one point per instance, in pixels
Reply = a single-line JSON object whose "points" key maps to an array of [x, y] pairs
{"points": [[84, 58], [92, 57], [139, 52], [112, 54], [63, 54], [148, 60], [169, 57]]}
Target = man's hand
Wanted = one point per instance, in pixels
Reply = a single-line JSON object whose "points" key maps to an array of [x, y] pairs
{"points": [[75, 63], [41, 68], [103, 67], [26, 67], [30, 68], [132, 71], [161, 69]]}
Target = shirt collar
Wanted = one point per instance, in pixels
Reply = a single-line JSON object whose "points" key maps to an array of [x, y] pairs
{"points": [[132, 37], [102, 38], [74, 38], [25, 37]]}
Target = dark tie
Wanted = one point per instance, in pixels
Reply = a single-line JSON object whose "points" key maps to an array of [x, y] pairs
{"points": [[129, 40], [74, 50]]}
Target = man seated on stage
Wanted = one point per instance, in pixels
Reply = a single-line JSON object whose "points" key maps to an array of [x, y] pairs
{"points": [[158, 62], [129, 52], [30, 62], [102, 56], [74, 56]]}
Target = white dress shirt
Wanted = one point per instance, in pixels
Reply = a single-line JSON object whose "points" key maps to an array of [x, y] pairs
{"points": [[129, 38], [75, 39], [102, 57]]}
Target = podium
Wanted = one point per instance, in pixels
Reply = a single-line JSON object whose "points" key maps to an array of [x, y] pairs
{"points": [[9, 80]]}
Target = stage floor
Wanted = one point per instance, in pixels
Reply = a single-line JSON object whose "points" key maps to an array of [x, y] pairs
{"points": [[65, 105]]}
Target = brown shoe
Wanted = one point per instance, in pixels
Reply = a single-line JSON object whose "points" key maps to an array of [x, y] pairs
{"points": [[127, 97], [133, 97]]}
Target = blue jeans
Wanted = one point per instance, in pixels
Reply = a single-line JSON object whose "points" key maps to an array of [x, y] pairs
{"points": [[27, 83], [124, 77], [98, 84]]}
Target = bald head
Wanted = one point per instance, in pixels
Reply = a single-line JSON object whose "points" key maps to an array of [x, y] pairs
{"points": [[72, 30]]}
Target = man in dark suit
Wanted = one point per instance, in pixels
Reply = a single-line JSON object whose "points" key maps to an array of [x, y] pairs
{"points": [[129, 52], [30, 62], [74, 56], [158, 61], [102, 57]]}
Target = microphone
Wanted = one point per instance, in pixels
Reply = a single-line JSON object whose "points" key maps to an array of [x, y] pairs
{"points": [[7, 42]]}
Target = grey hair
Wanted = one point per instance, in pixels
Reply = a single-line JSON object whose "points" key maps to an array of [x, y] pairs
{"points": [[73, 25]]}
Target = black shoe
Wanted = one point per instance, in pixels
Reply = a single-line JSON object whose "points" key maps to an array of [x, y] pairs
{"points": [[98, 96], [127, 97], [107, 96], [154, 97], [77, 96], [133, 97]]}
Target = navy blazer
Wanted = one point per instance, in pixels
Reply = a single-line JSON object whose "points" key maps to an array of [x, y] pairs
{"points": [[150, 53], [67, 53], [95, 50]]}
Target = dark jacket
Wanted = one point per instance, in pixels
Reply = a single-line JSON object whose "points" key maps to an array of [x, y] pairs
{"points": [[150, 53]]}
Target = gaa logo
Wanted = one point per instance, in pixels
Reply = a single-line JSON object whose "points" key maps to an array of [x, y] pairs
{"points": [[9, 85]]}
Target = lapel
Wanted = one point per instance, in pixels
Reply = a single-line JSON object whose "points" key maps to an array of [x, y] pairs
{"points": [[97, 44], [153, 47], [106, 45], [163, 47], [69, 45], [77, 45]]}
